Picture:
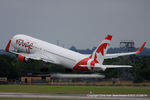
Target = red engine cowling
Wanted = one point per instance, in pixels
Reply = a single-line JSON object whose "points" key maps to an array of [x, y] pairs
{"points": [[24, 59], [21, 58]]}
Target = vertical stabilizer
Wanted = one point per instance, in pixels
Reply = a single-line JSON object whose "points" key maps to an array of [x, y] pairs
{"points": [[98, 55]]}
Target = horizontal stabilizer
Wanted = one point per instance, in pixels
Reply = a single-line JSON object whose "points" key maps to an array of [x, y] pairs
{"points": [[117, 66], [84, 65]]}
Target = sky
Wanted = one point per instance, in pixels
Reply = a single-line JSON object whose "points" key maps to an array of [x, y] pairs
{"points": [[82, 23]]}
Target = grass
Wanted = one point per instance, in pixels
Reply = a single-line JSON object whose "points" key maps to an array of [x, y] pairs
{"points": [[75, 89], [38, 99]]}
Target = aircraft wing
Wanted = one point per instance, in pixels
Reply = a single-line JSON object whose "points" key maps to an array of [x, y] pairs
{"points": [[38, 56], [109, 56]]}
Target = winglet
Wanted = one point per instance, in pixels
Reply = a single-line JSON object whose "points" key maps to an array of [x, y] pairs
{"points": [[141, 48], [8, 46]]}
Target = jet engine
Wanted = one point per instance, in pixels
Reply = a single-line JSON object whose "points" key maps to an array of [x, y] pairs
{"points": [[24, 59]]}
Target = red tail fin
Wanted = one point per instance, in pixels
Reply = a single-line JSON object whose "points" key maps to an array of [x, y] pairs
{"points": [[99, 53]]}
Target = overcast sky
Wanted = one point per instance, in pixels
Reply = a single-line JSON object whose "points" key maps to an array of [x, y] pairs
{"points": [[82, 23]]}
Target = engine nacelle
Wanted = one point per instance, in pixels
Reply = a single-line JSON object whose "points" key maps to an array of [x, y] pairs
{"points": [[24, 59]]}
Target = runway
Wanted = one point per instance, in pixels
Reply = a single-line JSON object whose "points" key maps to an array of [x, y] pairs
{"points": [[77, 96]]}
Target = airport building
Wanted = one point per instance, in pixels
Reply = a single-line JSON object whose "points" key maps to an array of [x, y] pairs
{"points": [[50, 78], [3, 80], [35, 79]]}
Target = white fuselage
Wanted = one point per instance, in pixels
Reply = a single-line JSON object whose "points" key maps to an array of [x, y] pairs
{"points": [[30, 45]]}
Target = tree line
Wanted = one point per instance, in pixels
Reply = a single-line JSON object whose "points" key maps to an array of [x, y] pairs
{"points": [[11, 68]]}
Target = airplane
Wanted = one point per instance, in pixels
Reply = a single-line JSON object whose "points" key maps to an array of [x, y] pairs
{"points": [[29, 48]]}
